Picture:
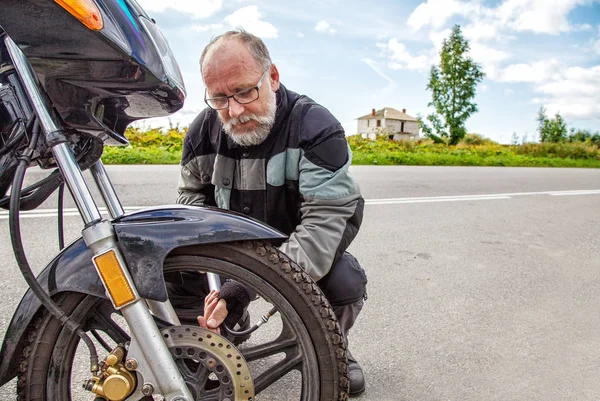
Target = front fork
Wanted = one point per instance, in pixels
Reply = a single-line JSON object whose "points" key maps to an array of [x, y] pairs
{"points": [[147, 348]]}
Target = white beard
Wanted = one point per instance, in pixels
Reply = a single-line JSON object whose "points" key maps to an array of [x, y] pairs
{"points": [[261, 132]]}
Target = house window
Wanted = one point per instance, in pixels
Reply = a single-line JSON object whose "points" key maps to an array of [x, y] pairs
{"points": [[368, 121], [402, 126], [378, 123]]}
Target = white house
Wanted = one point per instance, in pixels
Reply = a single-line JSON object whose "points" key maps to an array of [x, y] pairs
{"points": [[397, 124]]}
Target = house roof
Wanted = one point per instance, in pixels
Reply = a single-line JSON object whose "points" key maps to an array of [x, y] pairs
{"points": [[388, 113]]}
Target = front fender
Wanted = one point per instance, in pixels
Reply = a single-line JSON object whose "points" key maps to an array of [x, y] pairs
{"points": [[145, 238]]}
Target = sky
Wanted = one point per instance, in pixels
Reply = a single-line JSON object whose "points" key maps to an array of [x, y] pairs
{"points": [[353, 56]]}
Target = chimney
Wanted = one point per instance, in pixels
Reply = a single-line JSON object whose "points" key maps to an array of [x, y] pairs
{"points": [[373, 113], [404, 111]]}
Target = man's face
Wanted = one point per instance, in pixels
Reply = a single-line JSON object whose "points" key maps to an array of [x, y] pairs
{"points": [[229, 68]]}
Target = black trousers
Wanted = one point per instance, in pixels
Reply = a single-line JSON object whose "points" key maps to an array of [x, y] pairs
{"points": [[345, 287]]}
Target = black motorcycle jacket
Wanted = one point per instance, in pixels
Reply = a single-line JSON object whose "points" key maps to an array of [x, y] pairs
{"points": [[297, 180]]}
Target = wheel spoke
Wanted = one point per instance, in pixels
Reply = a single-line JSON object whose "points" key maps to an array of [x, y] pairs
{"points": [[268, 349], [102, 321], [100, 340], [211, 395], [195, 378], [276, 372]]}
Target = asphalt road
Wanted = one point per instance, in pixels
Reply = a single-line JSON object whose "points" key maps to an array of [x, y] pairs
{"points": [[484, 283]]}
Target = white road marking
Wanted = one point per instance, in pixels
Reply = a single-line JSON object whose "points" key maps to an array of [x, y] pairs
{"points": [[386, 201], [456, 198]]}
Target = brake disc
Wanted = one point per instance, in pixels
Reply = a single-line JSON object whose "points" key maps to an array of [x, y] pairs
{"points": [[209, 364]]}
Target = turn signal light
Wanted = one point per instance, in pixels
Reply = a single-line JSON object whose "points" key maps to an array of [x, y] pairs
{"points": [[114, 279], [85, 11]]}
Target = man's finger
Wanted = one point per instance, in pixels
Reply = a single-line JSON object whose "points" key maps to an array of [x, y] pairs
{"points": [[218, 315], [202, 323], [211, 295]]}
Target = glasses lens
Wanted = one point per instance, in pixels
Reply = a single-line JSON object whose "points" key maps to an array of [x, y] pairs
{"points": [[218, 103], [246, 96]]}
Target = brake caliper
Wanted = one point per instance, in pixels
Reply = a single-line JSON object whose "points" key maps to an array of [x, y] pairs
{"points": [[116, 380]]}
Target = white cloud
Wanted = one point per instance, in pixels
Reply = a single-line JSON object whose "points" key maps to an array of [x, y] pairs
{"points": [[508, 91], [583, 28], [574, 93], [400, 58], [323, 26], [249, 18], [538, 16], [538, 72], [482, 31], [486, 54], [437, 37], [435, 13], [210, 27], [300, 34], [197, 8], [489, 29]]}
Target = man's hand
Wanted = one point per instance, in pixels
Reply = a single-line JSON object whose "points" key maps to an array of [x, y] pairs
{"points": [[215, 312]]}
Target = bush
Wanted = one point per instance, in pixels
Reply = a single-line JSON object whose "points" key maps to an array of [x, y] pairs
{"points": [[152, 146], [476, 139], [474, 150]]}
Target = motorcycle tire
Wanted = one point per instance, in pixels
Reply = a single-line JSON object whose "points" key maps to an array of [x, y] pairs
{"points": [[310, 336]]}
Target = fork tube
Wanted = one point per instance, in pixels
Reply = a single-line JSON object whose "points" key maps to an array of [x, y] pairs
{"points": [[76, 183], [62, 153], [214, 281], [27, 76], [113, 204]]}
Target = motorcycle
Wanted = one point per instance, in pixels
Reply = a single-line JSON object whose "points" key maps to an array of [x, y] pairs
{"points": [[73, 75]]}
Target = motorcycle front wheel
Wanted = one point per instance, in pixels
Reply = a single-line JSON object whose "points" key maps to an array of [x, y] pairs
{"points": [[298, 355]]}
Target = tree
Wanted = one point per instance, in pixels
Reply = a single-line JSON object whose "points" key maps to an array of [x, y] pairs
{"points": [[453, 86], [551, 129], [584, 135]]}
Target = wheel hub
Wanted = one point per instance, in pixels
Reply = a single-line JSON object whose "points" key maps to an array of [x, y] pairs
{"points": [[209, 363]]}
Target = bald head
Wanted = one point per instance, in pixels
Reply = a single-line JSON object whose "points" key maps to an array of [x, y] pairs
{"points": [[254, 46]]}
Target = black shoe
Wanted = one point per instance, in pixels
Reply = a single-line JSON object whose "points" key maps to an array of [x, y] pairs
{"points": [[357, 379]]}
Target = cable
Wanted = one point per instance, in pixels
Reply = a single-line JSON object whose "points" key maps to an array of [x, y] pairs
{"points": [[61, 230], [263, 319], [17, 244]]}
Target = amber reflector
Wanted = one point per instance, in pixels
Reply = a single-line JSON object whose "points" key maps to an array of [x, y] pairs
{"points": [[114, 278]]}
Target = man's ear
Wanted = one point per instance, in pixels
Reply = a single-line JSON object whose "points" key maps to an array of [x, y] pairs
{"points": [[274, 75]]}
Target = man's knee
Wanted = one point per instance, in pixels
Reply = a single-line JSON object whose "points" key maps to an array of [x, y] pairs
{"points": [[346, 281]]}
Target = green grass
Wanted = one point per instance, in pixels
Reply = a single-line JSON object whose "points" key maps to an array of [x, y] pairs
{"points": [[434, 159], [154, 147], [137, 155]]}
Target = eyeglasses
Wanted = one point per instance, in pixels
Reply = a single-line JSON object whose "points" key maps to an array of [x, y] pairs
{"points": [[244, 96]]}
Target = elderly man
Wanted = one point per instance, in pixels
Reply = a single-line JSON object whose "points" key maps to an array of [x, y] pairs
{"points": [[279, 157]]}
